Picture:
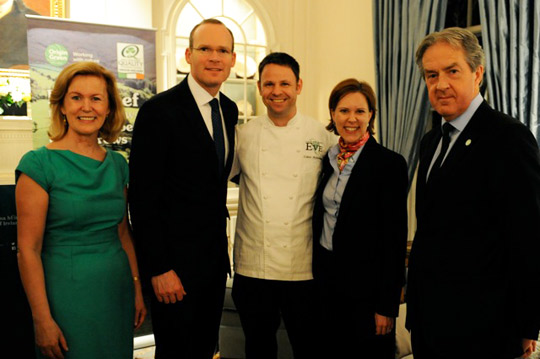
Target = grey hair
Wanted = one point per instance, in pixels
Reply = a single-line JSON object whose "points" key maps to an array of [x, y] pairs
{"points": [[458, 38]]}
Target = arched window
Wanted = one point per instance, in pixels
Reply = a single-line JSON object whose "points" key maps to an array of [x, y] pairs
{"points": [[250, 46]]}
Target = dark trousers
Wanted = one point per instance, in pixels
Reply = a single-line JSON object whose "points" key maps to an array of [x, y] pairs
{"points": [[189, 329], [422, 348], [261, 304], [347, 321], [481, 346]]}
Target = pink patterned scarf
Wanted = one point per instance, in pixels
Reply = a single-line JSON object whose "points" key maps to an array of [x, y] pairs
{"points": [[347, 150]]}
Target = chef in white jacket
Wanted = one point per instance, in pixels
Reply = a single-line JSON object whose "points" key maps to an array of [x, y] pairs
{"points": [[278, 160]]}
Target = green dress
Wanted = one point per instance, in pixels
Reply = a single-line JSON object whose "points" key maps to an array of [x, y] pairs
{"points": [[87, 274]]}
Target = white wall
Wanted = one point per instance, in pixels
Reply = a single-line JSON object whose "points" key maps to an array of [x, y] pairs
{"points": [[134, 13], [332, 40], [340, 45]]}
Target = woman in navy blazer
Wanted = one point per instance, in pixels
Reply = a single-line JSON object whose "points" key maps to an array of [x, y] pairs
{"points": [[359, 231]]}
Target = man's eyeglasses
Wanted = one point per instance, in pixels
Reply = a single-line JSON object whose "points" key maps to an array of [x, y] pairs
{"points": [[208, 51]]}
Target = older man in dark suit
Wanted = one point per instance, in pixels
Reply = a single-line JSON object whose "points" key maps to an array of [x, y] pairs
{"points": [[473, 271], [182, 152]]}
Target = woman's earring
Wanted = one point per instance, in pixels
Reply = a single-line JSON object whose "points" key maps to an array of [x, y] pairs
{"points": [[65, 120]]}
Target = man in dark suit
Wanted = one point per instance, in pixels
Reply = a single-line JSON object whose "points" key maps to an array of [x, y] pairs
{"points": [[473, 271], [182, 152]]}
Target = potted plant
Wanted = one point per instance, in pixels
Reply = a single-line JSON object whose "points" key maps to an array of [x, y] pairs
{"points": [[14, 94]]}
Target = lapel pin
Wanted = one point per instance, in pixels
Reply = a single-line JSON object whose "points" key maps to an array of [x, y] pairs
{"points": [[468, 142]]}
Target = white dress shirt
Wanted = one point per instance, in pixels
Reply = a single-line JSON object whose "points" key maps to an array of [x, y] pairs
{"points": [[203, 98], [458, 125], [333, 193]]}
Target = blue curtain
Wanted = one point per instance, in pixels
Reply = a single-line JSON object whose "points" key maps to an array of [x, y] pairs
{"points": [[404, 109], [511, 41]]}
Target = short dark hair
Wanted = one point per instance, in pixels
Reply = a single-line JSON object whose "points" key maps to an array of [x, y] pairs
{"points": [[209, 21], [283, 59], [346, 87]]}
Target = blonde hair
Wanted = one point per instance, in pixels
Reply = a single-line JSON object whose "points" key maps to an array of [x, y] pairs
{"points": [[115, 120]]}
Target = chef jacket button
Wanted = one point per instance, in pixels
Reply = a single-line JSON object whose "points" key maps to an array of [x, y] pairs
{"points": [[295, 174], [291, 197], [286, 223]]}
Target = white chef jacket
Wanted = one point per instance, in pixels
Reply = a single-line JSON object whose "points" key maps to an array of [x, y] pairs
{"points": [[280, 168]]}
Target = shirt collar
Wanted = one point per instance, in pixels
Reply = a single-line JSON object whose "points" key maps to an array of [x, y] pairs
{"points": [[202, 97], [462, 120], [293, 121], [334, 150]]}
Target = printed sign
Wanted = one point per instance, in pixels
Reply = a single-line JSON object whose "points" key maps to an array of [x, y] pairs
{"points": [[127, 52], [130, 61]]}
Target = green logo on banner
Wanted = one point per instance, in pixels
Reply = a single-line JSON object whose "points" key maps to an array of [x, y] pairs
{"points": [[130, 51], [56, 55]]}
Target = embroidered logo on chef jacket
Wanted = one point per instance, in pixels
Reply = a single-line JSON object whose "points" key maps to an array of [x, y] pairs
{"points": [[314, 147]]}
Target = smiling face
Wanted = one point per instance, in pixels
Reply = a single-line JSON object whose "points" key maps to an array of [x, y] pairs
{"points": [[211, 57], [278, 88], [451, 83], [352, 116], [86, 105]]}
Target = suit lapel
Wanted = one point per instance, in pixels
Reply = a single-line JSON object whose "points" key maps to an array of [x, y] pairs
{"points": [[464, 143], [427, 150], [360, 175], [188, 105], [201, 137], [432, 141], [327, 170], [230, 119], [426, 192], [318, 209]]}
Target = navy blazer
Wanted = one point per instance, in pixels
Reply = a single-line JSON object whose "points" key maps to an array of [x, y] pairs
{"points": [[478, 230], [370, 236], [177, 199]]}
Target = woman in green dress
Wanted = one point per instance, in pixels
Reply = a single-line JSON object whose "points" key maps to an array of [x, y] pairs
{"points": [[76, 255]]}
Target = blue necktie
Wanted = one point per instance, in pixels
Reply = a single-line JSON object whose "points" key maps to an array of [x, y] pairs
{"points": [[218, 134]]}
